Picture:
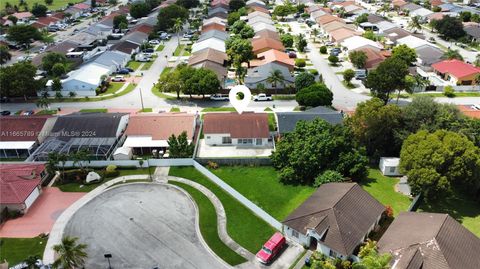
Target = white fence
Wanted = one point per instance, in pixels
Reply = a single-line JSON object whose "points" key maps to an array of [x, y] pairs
{"points": [[136, 163], [242, 199]]}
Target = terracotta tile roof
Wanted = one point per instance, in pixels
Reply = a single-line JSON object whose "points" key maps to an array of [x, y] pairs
{"points": [[260, 9], [161, 126], [456, 68], [264, 43], [215, 2], [273, 56], [211, 55], [245, 125], [435, 3], [147, 29], [343, 33], [334, 25], [399, 3], [430, 240], [267, 33], [47, 20], [328, 18], [58, 15], [470, 112], [20, 15], [344, 210], [374, 58], [17, 181], [21, 128], [213, 26], [222, 5]]}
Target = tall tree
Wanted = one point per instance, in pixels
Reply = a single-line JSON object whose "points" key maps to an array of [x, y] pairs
{"points": [[415, 24], [287, 40], [387, 78], [239, 51], [314, 95], [188, 4], [167, 16], [450, 27], [301, 43], [5, 55], [119, 19], [303, 80], [39, 10], [407, 54], [23, 34], [52, 58], [371, 259], [171, 82], [314, 147], [436, 162], [236, 4], [139, 9], [275, 78], [70, 254], [179, 146], [358, 58], [178, 26], [452, 54], [18, 80]]}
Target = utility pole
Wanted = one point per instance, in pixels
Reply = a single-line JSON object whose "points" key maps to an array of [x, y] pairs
{"points": [[141, 98]]}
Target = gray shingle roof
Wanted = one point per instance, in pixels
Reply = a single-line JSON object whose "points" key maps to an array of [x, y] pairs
{"points": [[260, 73], [288, 120], [345, 210], [213, 33], [136, 37], [111, 58], [429, 54], [438, 241]]}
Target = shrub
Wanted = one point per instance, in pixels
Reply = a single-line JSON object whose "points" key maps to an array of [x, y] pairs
{"points": [[348, 75], [389, 211], [300, 62], [313, 71], [74, 175], [328, 176], [314, 95], [212, 165], [449, 91], [333, 59], [323, 49], [111, 168]]}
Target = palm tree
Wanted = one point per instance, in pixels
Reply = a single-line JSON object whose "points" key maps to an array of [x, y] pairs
{"points": [[70, 253], [178, 26], [415, 24], [43, 102], [275, 77], [452, 54], [52, 161], [31, 262]]}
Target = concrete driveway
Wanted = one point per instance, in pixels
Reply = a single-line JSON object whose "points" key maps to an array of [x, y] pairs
{"points": [[142, 226]]}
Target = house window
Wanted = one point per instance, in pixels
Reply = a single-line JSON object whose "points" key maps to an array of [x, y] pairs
{"points": [[226, 140], [208, 137], [259, 141], [245, 141], [392, 169], [333, 254], [294, 233]]}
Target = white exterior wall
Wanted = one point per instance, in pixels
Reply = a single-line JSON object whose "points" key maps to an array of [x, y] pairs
{"points": [[301, 239], [385, 168], [78, 86], [214, 139]]}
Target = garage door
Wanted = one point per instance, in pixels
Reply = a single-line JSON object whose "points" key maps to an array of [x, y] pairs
{"points": [[32, 197]]}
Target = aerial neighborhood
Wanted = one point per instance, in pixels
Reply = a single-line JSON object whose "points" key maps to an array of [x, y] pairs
{"points": [[240, 134]]}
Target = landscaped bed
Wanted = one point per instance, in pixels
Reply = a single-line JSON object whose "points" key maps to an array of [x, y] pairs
{"points": [[16, 250], [208, 225], [262, 186], [383, 189], [112, 88], [243, 225]]}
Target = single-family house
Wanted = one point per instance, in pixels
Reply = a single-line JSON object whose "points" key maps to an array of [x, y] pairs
{"points": [[259, 19], [22, 17], [430, 240], [97, 133], [272, 55], [395, 34], [390, 166], [326, 19], [258, 14], [213, 26], [410, 7], [288, 120], [211, 59], [384, 26], [144, 28], [340, 34], [422, 13], [215, 20], [211, 43], [257, 27], [359, 42], [84, 80], [220, 70], [137, 37], [398, 4], [218, 12], [259, 75], [126, 47], [76, 12], [215, 2], [374, 58], [227, 129], [456, 72], [82, 6], [21, 135], [149, 132], [20, 185], [428, 55], [312, 8], [44, 22], [335, 219], [113, 60], [259, 9], [374, 18], [413, 42], [473, 31], [255, 3], [262, 44], [318, 13], [213, 34], [267, 34], [334, 25]]}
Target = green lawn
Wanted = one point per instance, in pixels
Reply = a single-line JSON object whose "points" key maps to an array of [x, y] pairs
{"points": [[134, 64], [178, 50], [383, 189], [147, 65], [208, 226], [218, 109], [243, 226], [47, 112], [112, 88], [75, 186], [262, 186], [160, 47], [94, 110], [165, 70], [175, 109], [147, 109], [457, 94], [16, 250], [461, 207], [57, 4]]}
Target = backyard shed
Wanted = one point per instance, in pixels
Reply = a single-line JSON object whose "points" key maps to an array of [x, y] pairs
{"points": [[390, 166]]}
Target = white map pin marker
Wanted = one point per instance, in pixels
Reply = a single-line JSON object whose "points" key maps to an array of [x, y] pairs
{"points": [[240, 105]]}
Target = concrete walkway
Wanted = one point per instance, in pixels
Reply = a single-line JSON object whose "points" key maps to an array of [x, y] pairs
{"points": [[56, 233], [221, 217]]}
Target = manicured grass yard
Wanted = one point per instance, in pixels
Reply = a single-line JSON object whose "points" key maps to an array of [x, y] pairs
{"points": [[75, 186], [94, 110], [243, 226], [112, 88], [55, 5], [178, 50], [160, 47], [47, 112], [218, 109], [262, 186], [208, 226], [175, 109], [134, 65], [461, 207], [16, 250], [383, 189]]}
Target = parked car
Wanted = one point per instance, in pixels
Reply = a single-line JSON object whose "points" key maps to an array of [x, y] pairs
{"points": [[292, 54], [149, 50], [5, 113], [360, 74], [187, 36], [432, 40], [271, 248], [5, 100], [129, 69], [164, 36], [123, 71], [154, 42], [118, 78], [28, 113], [219, 97], [329, 44], [262, 97]]}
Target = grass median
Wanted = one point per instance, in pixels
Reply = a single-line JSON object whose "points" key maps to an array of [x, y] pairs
{"points": [[243, 226], [208, 226]]}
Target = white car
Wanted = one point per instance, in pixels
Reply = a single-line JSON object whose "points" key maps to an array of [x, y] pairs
{"points": [[154, 42], [262, 97], [118, 79], [219, 97]]}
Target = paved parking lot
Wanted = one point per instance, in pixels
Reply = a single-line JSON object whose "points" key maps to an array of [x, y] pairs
{"points": [[142, 226]]}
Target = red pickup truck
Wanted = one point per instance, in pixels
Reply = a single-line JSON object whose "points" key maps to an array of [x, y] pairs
{"points": [[271, 248]]}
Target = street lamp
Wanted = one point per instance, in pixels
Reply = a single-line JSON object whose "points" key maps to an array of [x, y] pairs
{"points": [[108, 256]]}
